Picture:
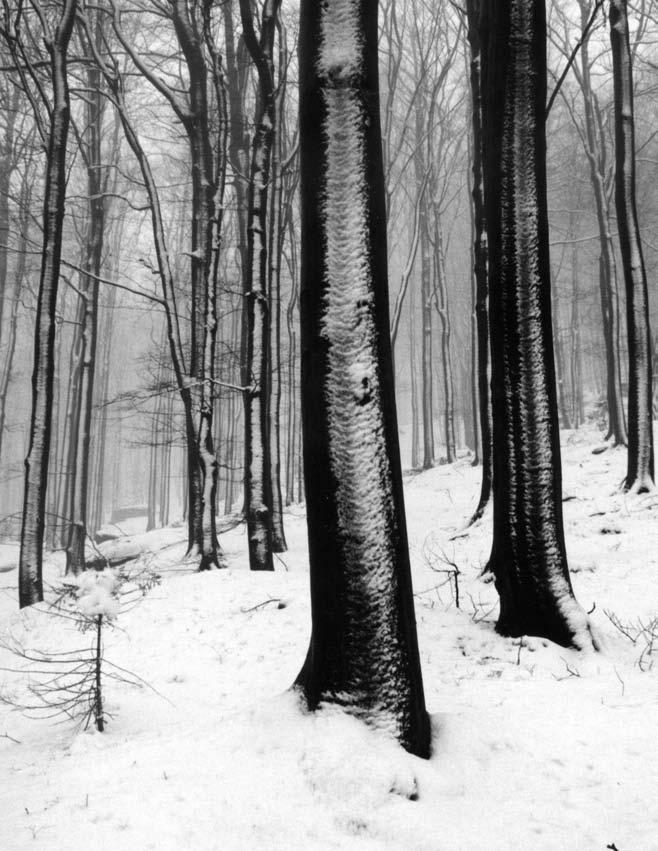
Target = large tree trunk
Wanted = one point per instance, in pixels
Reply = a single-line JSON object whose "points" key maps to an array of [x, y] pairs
{"points": [[36, 463], [528, 556], [640, 470], [363, 653]]}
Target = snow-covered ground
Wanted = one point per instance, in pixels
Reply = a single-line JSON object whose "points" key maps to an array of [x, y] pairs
{"points": [[535, 747]]}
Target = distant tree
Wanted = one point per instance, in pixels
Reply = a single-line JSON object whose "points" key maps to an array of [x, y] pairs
{"points": [[479, 249], [590, 126], [201, 110], [528, 557], [90, 146], [640, 471], [363, 653]]}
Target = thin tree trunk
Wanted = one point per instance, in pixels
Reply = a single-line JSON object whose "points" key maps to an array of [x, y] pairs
{"points": [[640, 470], [36, 463], [427, 405], [563, 410], [415, 419], [257, 364], [577, 403], [81, 436], [274, 251], [607, 273], [10, 333], [441, 303]]}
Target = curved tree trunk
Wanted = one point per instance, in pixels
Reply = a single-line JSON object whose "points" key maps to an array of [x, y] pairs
{"points": [[528, 555], [640, 470], [363, 653], [36, 463]]}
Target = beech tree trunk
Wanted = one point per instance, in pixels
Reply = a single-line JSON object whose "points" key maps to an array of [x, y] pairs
{"points": [[257, 361], [528, 557], [596, 156], [363, 654], [640, 469], [36, 463], [207, 205], [274, 252]]}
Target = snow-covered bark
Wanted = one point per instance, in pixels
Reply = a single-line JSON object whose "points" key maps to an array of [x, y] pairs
{"points": [[528, 557], [257, 355], [363, 653], [36, 463], [640, 471], [207, 203]]}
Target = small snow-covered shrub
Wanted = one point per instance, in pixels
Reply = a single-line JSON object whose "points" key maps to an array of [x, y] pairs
{"points": [[70, 683]]}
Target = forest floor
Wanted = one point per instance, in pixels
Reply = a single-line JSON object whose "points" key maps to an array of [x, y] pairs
{"points": [[534, 747]]}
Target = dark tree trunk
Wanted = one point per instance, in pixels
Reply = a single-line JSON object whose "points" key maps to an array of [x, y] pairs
{"points": [[441, 303], [257, 361], [36, 463], [480, 310], [640, 470], [528, 556], [207, 203], [563, 410], [363, 653]]}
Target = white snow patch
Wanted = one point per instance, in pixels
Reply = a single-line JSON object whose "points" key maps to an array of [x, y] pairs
{"points": [[534, 746]]}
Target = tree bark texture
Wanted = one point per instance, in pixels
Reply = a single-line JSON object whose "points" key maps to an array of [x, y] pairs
{"points": [[640, 469], [36, 463], [528, 556], [207, 201], [258, 304], [363, 653]]}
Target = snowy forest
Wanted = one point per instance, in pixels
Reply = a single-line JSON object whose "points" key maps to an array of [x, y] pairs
{"points": [[327, 502]]}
